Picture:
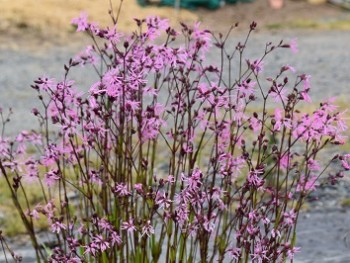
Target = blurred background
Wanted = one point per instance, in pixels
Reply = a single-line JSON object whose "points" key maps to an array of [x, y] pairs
{"points": [[49, 20]]}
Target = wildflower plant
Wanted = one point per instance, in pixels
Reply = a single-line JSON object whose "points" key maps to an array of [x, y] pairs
{"points": [[172, 158]]}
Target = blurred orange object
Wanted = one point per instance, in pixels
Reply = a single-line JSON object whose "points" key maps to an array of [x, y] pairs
{"points": [[276, 4]]}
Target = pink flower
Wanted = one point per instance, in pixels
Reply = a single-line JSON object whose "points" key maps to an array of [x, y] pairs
{"points": [[88, 56], [254, 180], [187, 148], [112, 35], [289, 217], [230, 165], [52, 154], [305, 96], [115, 239], [275, 233], [345, 165], [252, 230], [203, 90], [294, 45], [129, 226], [255, 124], [313, 165], [49, 209], [291, 252], [158, 109], [104, 224], [345, 162], [132, 106], [193, 181], [81, 22], [31, 171], [4, 147], [341, 121], [147, 229], [162, 200], [208, 224], [51, 178], [247, 88], [121, 190], [34, 213], [253, 215], [57, 227], [155, 26], [45, 84], [151, 128], [259, 253], [306, 81], [287, 67], [328, 105], [91, 249], [285, 161], [94, 28], [278, 94], [171, 179], [182, 213], [306, 184], [100, 243], [280, 120], [257, 66], [234, 253], [138, 188]]}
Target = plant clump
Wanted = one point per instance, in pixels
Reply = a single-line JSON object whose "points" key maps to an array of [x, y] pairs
{"points": [[170, 157]]}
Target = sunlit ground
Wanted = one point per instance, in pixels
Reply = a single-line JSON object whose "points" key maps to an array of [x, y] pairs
{"points": [[51, 18], [48, 16]]}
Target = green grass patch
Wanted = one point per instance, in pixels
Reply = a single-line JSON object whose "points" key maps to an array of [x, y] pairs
{"points": [[312, 24], [345, 202], [11, 222]]}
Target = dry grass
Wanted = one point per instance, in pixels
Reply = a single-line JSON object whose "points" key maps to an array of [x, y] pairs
{"points": [[54, 15], [42, 21]]}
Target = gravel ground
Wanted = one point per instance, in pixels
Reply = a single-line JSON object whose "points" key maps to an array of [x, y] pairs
{"points": [[323, 55]]}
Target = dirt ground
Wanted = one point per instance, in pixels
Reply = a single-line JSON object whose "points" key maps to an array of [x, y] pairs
{"points": [[294, 14], [48, 21]]}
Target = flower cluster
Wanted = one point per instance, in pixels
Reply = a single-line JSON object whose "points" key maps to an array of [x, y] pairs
{"points": [[170, 158]]}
